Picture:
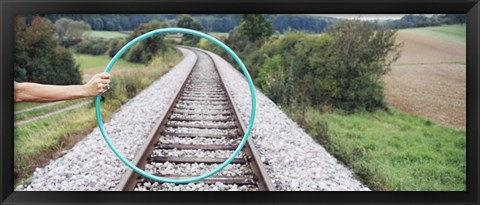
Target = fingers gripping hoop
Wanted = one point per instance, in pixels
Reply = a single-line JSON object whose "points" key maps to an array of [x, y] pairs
{"points": [[218, 43]]}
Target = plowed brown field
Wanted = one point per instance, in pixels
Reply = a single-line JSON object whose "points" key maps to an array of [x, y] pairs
{"points": [[429, 80]]}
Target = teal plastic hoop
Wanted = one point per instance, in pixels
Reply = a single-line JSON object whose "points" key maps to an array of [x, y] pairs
{"points": [[211, 39]]}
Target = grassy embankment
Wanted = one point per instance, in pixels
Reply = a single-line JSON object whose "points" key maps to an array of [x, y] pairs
{"points": [[41, 140], [391, 150]]}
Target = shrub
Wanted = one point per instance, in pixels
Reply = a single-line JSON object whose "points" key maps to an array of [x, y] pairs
{"points": [[92, 46], [115, 45], [67, 43]]}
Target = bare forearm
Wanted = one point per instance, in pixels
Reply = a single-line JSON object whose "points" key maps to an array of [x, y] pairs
{"points": [[33, 92]]}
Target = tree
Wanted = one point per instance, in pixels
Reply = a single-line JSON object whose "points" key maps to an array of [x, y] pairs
{"points": [[70, 29], [251, 34], [38, 57], [255, 27], [70, 32], [186, 21], [61, 27], [364, 53], [76, 29]]}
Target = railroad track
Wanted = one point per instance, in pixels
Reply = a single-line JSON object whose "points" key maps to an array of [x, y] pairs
{"points": [[199, 131]]}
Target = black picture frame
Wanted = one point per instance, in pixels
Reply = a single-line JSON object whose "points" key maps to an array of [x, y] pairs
{"points": [[8, 8]]}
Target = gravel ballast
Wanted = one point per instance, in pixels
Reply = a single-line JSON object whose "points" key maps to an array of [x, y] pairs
{"points": [[90, 165], [293, 159]]}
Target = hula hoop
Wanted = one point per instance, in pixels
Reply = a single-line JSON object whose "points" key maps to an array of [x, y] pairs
{"points": [[218, 43]]}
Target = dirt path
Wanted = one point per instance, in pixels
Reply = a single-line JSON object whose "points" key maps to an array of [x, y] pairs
{"points": [[38, 107], [429, 80]]}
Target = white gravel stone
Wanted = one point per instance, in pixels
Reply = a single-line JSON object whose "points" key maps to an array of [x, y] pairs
{"points": [[293, 159], [195, 187], [201, 117], [198, 140], [90, 165], [194, 153], [205, 123], [206, 107], [168, 168], [202, 131]]}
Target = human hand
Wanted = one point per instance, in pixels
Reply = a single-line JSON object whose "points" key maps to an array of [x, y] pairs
{"points": [[98, 84]]}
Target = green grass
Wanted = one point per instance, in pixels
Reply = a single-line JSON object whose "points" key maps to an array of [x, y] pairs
{"points": [[452, 33], [393, 150], [25, 105], [106, 34], [98, 63], [218, 34], [39, 141], [45, 110]]}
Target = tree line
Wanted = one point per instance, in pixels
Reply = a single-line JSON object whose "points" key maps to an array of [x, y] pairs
{"points": [[210, 22], [228, 22], [411, 20]]}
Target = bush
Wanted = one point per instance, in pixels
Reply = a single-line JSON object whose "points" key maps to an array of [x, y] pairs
{"points": [[137, 54], [115, 45], [92, 46], [67, 43], [363, 54]]}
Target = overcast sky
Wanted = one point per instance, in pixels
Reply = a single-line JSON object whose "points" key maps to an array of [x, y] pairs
{"points": [[367, 16]]}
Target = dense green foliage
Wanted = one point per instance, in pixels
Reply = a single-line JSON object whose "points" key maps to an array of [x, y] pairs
{"points": [[186, 21], [38, 56], [147, 49], [341, 68], [92, 46], [410, 21], [210, 22], [392, 151]]}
